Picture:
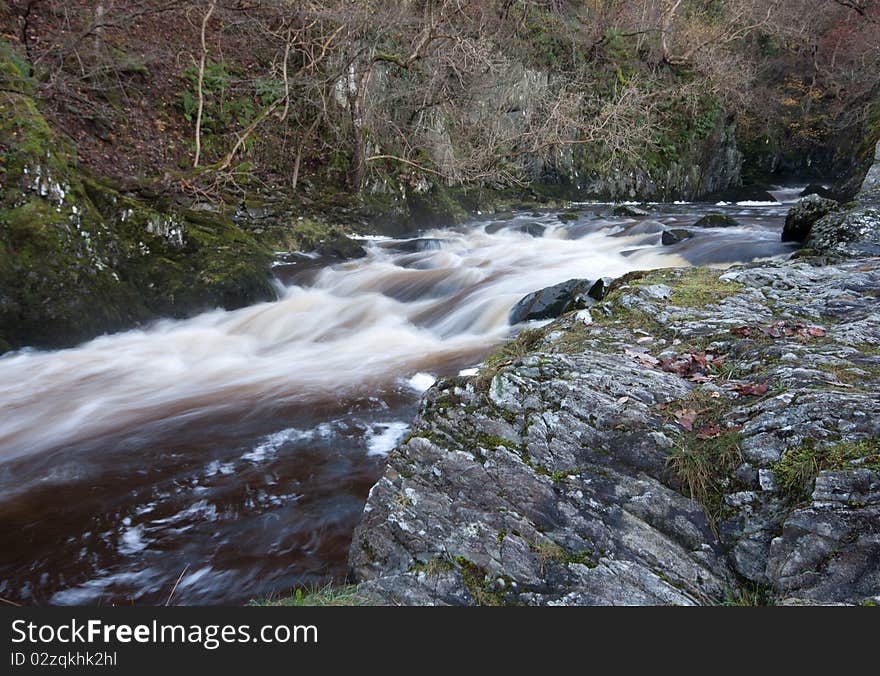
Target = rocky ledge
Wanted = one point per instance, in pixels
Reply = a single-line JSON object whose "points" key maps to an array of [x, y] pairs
{"points": [[700, 437]]}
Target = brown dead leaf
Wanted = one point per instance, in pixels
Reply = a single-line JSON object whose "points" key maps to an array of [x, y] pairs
{"points": [[752, 389], [686, 417], [643, 358], [709, 432]]}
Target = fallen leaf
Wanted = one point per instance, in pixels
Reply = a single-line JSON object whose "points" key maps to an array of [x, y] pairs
{"points": [[752, 389], [686, 417], [623, 400], [643, 357], [645, 339], [709, 432], [715, 395]]}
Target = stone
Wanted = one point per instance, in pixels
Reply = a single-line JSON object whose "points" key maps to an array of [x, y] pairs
{"points": [[600, 288], [853, 229], [675, 235], [814, 189], [553, 301], [554, 468], [716, 221], [341, 247], [802, 215], [629, 210]]}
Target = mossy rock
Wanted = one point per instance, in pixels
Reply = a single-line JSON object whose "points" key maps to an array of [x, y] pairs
{"points": [[78, 259], [716, 221]]}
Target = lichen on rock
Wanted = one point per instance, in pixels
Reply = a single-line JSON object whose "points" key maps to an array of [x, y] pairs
{"points": [[636, 459]]}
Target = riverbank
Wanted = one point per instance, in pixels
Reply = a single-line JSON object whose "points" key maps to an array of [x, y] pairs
{"points": [[699, 437], [708, 434]]}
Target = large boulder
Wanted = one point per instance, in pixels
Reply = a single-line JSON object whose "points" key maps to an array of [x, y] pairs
{"points": [[854, 230], [553, 301], [802, 216]]}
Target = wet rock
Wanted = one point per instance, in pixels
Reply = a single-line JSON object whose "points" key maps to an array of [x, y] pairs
{"points": [[716, 221], [553, 301], [675, 235], [415, 245], [600, 288], [531, 229], [854, 229], [629, 210], [341, 247], [820, 190], [802, 215], [641, 228]]}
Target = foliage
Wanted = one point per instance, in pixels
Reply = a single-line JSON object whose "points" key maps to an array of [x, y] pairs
{"points": [[797, 470], [328, 595]]}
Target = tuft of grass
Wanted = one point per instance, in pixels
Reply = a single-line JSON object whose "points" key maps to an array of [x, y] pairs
{"points": [[749, 594], [524, 343], [796, 472], [328, 595], [478, 584], [703, 466]]}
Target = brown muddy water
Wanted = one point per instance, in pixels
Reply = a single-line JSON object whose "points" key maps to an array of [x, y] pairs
{"points": [[238, 448]]}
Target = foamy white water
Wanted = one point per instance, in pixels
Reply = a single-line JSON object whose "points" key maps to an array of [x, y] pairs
{"points": [[360, 326], [239, 446]]}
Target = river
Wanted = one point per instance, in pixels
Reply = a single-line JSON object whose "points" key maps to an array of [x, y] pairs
{"points": [[234, 451]]}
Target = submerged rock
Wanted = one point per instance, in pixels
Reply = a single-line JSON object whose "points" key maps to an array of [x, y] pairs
{"points": [[629, 210], [716, 221], [675, 235], [819, 190], [802, 215], [553, 301]]}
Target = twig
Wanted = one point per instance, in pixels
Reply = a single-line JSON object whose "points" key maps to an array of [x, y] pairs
{"points": [[11, 603], [201, 92], [174, 588]]}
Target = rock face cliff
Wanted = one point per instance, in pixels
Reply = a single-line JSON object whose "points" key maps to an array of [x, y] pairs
{"points": [[854, 229], [701, 437]]}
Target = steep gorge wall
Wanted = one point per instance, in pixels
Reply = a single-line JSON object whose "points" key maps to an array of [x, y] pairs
{"points": [[78, 258]]}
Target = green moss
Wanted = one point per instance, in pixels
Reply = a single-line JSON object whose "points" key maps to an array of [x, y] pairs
{"points": [[796, 472], [479, 585], [78, 259]]}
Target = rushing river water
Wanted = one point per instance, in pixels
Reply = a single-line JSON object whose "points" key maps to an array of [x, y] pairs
{"points": [[234, 450]]}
